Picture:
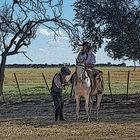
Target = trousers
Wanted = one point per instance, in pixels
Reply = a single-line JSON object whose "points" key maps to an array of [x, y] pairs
{"points": [[58, 104]]}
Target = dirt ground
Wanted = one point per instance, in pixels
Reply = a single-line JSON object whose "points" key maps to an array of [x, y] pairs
{"points": [[122, 110], [34, 120]]}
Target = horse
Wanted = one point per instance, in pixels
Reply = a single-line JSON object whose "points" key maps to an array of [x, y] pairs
{"points": [[97, 90], [86, 86]]}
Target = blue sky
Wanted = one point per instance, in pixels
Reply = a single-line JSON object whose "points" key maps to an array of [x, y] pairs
{"points": [[44, 49]]}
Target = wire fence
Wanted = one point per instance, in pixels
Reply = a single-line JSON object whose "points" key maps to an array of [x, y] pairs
{"points": [[34, 84]]}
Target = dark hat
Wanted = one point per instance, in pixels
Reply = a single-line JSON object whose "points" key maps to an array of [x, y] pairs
{"points": [[85, 43], [65, 70]]}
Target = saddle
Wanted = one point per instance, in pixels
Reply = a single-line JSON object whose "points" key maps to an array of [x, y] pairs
{"points": [[94, 75]]}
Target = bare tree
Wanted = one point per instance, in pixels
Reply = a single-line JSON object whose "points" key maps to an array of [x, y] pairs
{"points": [[19, 21]]}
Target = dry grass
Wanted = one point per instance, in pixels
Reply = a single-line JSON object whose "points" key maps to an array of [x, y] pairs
{"points": [[33, 87], [19, 130]]}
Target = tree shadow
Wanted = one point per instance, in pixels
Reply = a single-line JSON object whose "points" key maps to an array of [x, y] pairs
{"points": [[41, 114]]}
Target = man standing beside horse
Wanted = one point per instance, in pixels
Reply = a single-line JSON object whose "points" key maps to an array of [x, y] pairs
{"points": [[58, 84]]}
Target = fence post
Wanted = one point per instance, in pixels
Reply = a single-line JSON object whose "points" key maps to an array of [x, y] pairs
{"points": [[46, 82], [18, 87], [110, 86], [128, 77], [2, 95]]}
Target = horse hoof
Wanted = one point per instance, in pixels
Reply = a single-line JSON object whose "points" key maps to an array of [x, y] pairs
{"points": [[88, 120]]}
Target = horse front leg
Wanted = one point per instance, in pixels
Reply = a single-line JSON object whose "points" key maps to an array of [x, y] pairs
{"points": [[98, 101], [77, 107], [87, 98], [90, 103]]}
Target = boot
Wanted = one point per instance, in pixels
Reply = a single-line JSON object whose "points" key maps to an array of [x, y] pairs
{"points": [[62, 118], [61, 114], [56, 114]]}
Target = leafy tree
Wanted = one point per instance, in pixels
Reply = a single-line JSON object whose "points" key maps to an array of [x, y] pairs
{"points": [[19, 21], [117, 21]]}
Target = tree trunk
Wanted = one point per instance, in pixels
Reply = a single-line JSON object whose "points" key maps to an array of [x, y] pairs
{"points": [[2, 70]]}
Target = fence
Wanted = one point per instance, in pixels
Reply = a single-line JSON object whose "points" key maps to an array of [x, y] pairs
{"points": [[123, 83], [34, 84]]}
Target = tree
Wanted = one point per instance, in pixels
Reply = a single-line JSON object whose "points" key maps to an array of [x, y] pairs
{"points": [[19, 22], [117, 21]]}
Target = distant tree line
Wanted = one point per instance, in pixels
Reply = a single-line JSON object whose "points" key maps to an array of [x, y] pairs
{"points": [[56, 65]]}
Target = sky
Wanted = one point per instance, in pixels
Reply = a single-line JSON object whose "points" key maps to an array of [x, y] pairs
{"points": [[45, 50]]}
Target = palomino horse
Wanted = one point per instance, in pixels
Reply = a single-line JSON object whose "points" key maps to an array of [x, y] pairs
{"points": [[86, 86]]}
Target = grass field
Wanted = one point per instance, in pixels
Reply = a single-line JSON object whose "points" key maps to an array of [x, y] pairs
{"points": [[33, 87], [33, 119]]}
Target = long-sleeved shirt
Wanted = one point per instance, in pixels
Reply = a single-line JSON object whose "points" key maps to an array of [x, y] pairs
{"points": [[86, 58]]}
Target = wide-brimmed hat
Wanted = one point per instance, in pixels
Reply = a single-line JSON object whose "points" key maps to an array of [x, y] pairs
{"points": [[65, 70], [86, 43]]}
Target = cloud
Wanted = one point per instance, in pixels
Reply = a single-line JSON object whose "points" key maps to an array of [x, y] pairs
{"points": [[52, 39], [41, 49], [59, 41], [48, 33], [43, 32]]}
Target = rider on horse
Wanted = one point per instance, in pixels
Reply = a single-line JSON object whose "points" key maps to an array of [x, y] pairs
{"points": [[87, 57]]}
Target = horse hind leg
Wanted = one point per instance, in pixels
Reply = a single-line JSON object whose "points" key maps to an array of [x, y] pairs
{"points": [[98, 101], [90, 104]]}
